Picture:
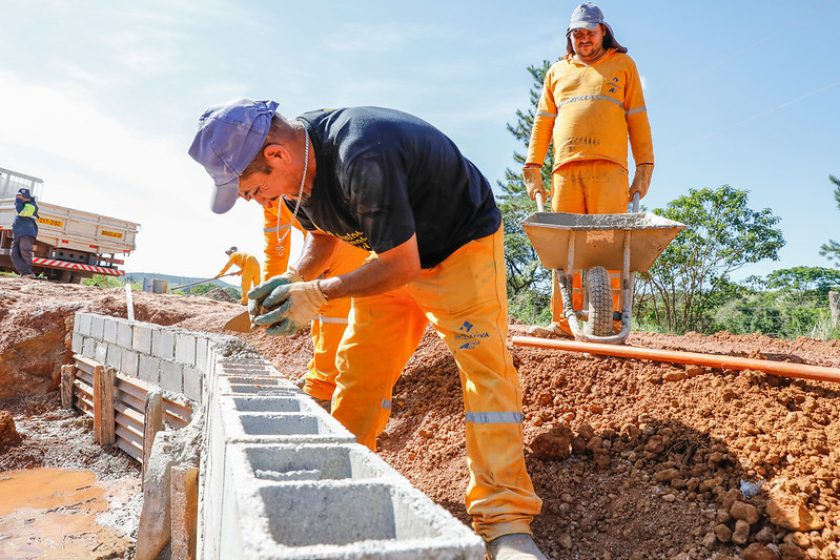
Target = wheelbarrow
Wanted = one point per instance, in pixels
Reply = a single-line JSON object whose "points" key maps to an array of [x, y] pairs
{"points": [[594, 244]]}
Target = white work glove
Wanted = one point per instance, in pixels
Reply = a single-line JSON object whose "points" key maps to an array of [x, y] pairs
{"points": [[641, 180], [292, 307], [259, 292], [532, 177]]}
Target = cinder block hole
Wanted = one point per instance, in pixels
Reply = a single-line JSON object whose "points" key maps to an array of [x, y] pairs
{"points": [[254, 380], [342, 514], [282, 424], [280, 404], [316, 462], [260, 390]]}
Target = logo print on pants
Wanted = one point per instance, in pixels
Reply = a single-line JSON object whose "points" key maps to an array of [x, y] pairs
{"points": [[471, 339]]}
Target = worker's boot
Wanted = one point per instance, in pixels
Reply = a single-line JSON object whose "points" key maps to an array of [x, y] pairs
{"points": [[519, 546], [553, 330]]}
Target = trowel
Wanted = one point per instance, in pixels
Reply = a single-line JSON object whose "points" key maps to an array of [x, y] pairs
{"points": [[240, 323]]}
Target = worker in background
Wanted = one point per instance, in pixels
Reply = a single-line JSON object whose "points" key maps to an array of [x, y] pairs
{"points": [[390, 183], [249, 270], [328, 326], [24, 232], [591, 103]]}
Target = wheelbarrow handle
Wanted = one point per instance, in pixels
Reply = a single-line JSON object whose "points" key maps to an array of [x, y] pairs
{"points": [[540, 205]]}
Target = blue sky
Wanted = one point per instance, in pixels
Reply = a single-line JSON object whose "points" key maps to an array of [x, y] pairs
{"points": [[100, 99]]}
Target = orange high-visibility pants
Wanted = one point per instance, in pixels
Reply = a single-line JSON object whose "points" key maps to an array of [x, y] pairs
{"points": [[587, 187], [464, 298], [329, 326], [250, 277]]}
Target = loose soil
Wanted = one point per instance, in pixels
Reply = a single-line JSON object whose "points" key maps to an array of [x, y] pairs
{"points": [[632, 459]]}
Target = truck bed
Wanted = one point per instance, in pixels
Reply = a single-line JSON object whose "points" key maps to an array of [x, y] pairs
{"points": [[68, 228]]}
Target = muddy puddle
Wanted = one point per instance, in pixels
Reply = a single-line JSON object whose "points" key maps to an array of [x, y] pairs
{"points": [[62, 514]]}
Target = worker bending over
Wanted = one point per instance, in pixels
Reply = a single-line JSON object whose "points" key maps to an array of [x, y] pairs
{"points": [[390, 183], [328, 326], [591, 103], [249, 270]]}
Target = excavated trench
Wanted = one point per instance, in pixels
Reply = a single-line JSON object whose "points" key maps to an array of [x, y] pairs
{"points": [[633, 459]]}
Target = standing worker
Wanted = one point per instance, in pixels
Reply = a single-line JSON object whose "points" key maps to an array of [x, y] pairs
{"points": [[24, 232], [249, 270], [390, 183], [591, 103], [329, 325]]}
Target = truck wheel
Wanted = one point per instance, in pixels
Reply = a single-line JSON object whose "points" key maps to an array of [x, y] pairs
{"points": [[598, 290]]}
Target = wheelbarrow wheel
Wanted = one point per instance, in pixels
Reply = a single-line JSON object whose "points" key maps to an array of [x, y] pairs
{"points": [[599, 293]]}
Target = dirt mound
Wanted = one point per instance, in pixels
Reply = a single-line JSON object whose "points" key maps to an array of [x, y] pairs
{"points": [[36, 319], [632, 459]]}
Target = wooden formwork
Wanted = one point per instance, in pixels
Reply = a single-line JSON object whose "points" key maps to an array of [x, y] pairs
{"points": [[126, 411]]}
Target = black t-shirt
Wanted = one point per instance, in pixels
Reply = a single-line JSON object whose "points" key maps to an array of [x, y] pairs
{"points": [[383, 175]]}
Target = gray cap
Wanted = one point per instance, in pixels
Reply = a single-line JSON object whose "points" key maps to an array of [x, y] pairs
{"points": [[231, 251], [589, 16]]}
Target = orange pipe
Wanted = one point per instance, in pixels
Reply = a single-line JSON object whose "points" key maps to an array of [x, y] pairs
{"points": [[783, 369]]}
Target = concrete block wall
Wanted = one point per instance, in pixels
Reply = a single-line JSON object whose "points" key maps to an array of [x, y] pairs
{"points": [[279, 477], [172, 359], [283, 479]]}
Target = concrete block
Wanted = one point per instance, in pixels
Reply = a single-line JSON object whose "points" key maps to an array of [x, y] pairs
{"points": [[141, 339], [76, 343], [163, 344], [193, 383], [171, 376], [97, 326], [310, 424], [89, 347], [81, 323], [110, 330], [130, 364], [149, 369], [388, 521], [113, 357], [100, 354], [289, 463], [255, 385], [185, 348], [287, 403], [201, 348], [125, 334]]}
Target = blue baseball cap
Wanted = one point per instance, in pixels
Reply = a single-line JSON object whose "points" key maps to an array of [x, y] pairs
{"points": [[229, 136], [24, 192]]}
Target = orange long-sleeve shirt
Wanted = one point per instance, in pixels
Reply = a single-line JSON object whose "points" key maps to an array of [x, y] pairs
{"points": [[588, 112]]}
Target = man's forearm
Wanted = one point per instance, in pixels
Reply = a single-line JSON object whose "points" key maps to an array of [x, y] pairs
{"points": [[388, 271], [316, 255]]}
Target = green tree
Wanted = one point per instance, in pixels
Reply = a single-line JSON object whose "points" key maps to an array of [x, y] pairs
{"points": [[691, 278], [788, 303], [527, 281], [832, 248]]}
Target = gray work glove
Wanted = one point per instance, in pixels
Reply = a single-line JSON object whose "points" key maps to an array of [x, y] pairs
{"points": [[260, 292]]}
